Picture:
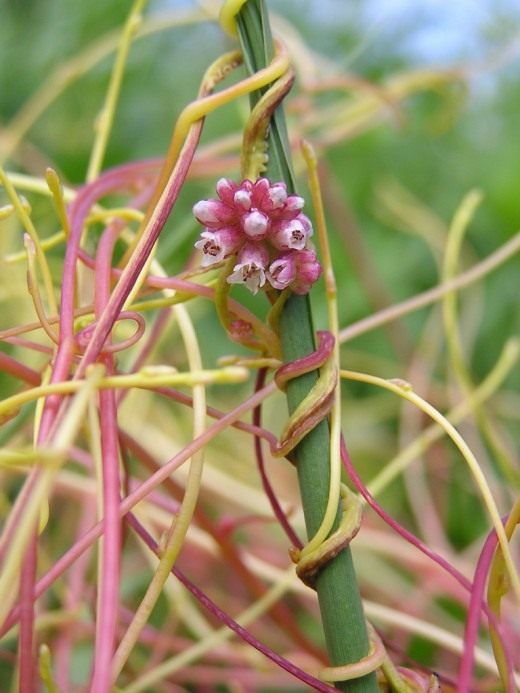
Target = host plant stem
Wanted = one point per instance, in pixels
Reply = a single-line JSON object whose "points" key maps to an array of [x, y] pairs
{"points": [[338, 595]]}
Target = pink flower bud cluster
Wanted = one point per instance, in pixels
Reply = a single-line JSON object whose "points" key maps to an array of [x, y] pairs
{"points": [[265, 228]]}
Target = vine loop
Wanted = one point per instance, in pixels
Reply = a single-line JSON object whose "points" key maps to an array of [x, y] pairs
{"points": [[373, 660], [317, 404], [308, 565]]}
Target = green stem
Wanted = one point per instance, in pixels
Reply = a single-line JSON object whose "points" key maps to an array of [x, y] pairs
{"points": [[338, 595]]}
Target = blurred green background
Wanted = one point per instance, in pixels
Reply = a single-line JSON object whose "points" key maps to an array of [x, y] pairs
{"points": [[442, 144]]}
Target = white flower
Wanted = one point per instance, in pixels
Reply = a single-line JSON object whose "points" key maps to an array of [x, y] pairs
{"points": [[250, 268]]}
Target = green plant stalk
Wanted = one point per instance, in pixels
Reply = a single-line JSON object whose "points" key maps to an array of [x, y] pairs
{"points": [[338, 595]]}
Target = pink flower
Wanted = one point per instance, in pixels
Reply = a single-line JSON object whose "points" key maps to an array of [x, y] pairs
{"points": [[250, 269], [282, 271], [226, 190], [298, 269], [217, 245], [308, 271], [278, 195], [257, 221], [291, 208], [213, 214], [242, 198], [291, 233], [255, 225]]}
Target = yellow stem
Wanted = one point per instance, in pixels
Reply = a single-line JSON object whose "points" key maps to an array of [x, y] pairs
{"points": [[498, 587], [148, 681], [331, 510], [404, 390], [57, 450], [462, 373], [32, 282], [181, 522], [106, 116], [486, 389], [58, 197], [228, 13], [31, 230], [147, 378]]}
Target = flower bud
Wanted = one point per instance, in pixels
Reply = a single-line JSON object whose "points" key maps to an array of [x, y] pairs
{"points": [[255, 225], [242, 199], [260, 192], [308, 271], [212, 213], [277, 195], [226, 190], [294, 203]]}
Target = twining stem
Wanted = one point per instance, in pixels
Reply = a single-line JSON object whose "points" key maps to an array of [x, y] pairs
{"points": [[134, 497], [498, 587], [181, 522], [107, 113], [505, 363], [453, 333], [333, 323], [338, 595], [426, 298], [404, 390]]}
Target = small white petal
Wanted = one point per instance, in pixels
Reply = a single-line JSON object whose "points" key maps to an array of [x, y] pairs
{"points": [[212, 251], [294, 202], [249, 274], [204, 211], [255, 225], [242, 198], [278, 196]]}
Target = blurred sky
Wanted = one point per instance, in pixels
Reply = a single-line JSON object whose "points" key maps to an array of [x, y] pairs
{"points": [[429, 31], [434, 30]]}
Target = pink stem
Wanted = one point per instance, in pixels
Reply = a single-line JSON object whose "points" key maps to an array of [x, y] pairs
{"points": [[66, 348], [155, 333], [187, 400], [137, 261], [415, 541], [178, 284], [275, 505], [112, 180], [244, 634], [75, 593], [139, 494], [28, 344], [464, 681], [18, 370], [106, 617], [25, 644]]}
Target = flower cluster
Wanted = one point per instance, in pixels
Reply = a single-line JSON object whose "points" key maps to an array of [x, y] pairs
{"points": [[265, 228]]}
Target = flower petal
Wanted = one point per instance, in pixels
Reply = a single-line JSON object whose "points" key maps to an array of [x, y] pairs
{"points": [[255, 225], [282, 271], [292, 234], [217, 245]]}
